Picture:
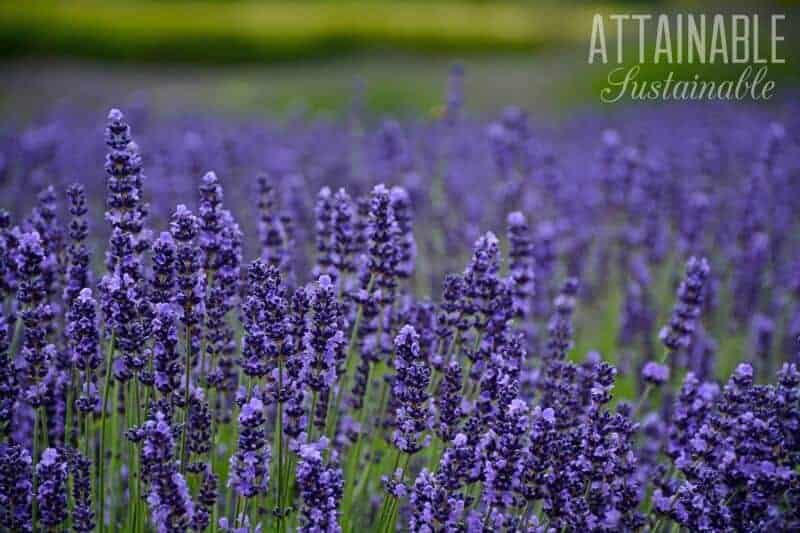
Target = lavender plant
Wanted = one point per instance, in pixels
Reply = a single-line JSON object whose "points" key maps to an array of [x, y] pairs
{"points": [[321, 367]]}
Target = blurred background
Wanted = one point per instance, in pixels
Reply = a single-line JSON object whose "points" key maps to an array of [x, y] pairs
{"points": [[284, 57]]}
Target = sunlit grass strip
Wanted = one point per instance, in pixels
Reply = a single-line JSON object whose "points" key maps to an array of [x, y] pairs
{"points": [[206, 32]]}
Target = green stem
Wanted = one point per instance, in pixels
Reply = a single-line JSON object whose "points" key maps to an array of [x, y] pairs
{"points": [[101, 461], [311, 416], [279, 431], [36, 448], [16, 339], [186, 397], [68, 433]]}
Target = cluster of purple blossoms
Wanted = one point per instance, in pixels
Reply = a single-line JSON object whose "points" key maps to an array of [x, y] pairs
{"points": [[163, 283], [78, 274], [737, 455], [51, 490], [35, 312], [168, 497], [678, 333], [9, 385], [185, 227], [414, 414], [84, 338], [250, 464], [264, 313], [321, 486], [383, 248], [16, 487], [520, 264], [126, 208], [83, 519]]}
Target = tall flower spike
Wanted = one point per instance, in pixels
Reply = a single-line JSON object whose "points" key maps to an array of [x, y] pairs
{"points": [[163, 282], [520, 266], [167, 365], [171, 506], [344, 235], [321, 487], [210, 218], [44, 220], [34, 312], [678, 333], [16, 487], [51, 492], [185, 227], [383, 246], [406, 245], [77, 252], [324, 342], [126, 209], [9, 385], [250, 464], [323, 215], [448, 402], [225, 293], [560, 327], [8, 268], [410, 391], [271, 231], [82, 512], [84, 343]]}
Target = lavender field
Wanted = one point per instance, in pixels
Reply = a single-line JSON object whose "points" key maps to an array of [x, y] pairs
{"points": [[442, 323]]}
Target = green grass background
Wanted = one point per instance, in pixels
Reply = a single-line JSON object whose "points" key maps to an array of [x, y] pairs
{"points": [[282, 57]]}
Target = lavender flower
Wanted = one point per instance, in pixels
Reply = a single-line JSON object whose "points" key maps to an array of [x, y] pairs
{"points": [[127, 210], [323, 213], [383, 249], [264, 319], [321, 487], [83, 512], [51, 492], [168, 498], [185, 227], [324, 341], [84, 339], [34, 314], [163, 283], [520, 263], [655, 373], [434, 506], [406, 246], [249, 466], [410, 391], [560, 326], [16, 487], [9, 385], [678, 333], [344, 246], [271, 230], [448, 402], [78, 253]]}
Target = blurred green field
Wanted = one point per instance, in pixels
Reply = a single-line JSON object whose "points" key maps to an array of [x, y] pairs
{"points": [[284, 57], [236, 32]]}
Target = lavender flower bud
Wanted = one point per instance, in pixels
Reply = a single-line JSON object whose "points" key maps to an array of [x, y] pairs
{"points": [[51, 493], [321, 487], [16, 487], [410, 391], [678, 333], [655, 373]]}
